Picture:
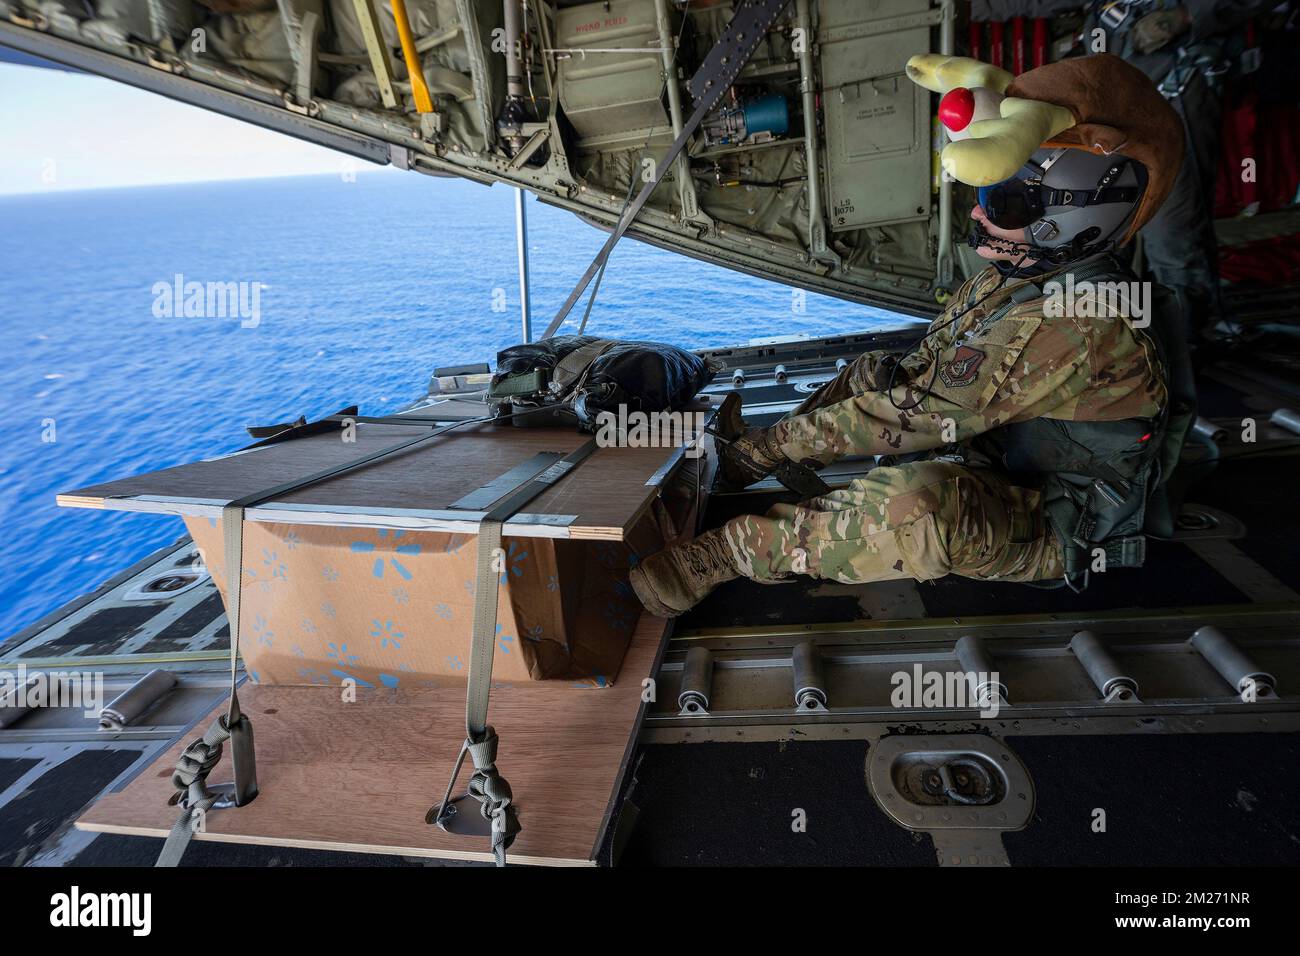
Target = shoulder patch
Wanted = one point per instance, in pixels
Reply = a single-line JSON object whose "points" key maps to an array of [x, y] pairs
{"points": [[962, 368]]}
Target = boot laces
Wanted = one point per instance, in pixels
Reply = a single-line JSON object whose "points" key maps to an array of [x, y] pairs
{"points": [[709, 555], [753, 452]]}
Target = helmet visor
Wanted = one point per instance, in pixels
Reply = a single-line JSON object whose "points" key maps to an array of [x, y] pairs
{"points": [[1012, 203]]}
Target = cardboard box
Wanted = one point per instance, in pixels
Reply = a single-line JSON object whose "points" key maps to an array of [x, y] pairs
{"points": [[387, 608]]}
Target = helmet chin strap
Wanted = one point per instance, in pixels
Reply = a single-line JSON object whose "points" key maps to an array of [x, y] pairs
{"points": [[1008, 247], [1058, 255]]}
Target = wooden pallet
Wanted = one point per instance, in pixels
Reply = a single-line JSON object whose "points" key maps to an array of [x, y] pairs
{"points": [[361, 776], [413, 490]]}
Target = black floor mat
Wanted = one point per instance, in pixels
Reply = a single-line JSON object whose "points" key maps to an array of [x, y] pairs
{"points": [[736, 805], [55, 799], [1185, 800], [1173, 576], [11, 768]]}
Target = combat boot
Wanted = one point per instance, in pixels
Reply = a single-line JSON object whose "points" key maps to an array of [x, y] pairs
{"points": [[744, 455], [674, 580]]}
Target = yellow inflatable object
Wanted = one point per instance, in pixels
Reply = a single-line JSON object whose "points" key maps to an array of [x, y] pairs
{"points": [[939, 73], [1097, 103], [997, 148]]}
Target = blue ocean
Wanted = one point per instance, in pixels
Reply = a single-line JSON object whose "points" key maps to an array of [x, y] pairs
{"points": [[365, 286]]}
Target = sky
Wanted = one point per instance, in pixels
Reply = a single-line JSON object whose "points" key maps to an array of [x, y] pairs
{"points": [[67, 131]]}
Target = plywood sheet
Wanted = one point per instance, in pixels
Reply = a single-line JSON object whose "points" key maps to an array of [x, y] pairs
{"points": [[361, 776], [601, 499]]}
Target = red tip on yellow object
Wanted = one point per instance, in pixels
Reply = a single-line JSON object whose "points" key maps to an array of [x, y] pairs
{"points": [[957, 108]]}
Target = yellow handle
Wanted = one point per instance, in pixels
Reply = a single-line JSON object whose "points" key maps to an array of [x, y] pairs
{"points": [[419, 89]]}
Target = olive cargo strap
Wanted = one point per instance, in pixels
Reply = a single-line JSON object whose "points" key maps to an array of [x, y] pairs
{"points": [[571, 372], [487, 786], [532, 382]]}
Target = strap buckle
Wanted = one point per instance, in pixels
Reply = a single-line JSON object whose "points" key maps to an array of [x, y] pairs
{"points": [[1114, 15], [801, 479], [1127, 552]]}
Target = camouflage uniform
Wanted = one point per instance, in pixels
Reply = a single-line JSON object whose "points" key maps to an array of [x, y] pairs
{"points": [[954, 511]]}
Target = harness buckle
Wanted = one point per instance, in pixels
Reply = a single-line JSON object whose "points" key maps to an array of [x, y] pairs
{"points": [[1113, 16], [1127, 552]]}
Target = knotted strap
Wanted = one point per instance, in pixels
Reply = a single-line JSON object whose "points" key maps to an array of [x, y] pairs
{"points": [[191, 774], [493, 793], [190, 778], [487, 786]]}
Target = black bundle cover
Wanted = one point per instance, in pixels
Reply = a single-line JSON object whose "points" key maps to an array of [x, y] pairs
{"points": [[644, 376]]}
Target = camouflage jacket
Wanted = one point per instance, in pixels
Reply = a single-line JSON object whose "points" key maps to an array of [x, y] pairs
{"points": [[1074, 355]]}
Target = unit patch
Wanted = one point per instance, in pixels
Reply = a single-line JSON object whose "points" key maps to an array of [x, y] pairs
{"points": [[962, 368]]}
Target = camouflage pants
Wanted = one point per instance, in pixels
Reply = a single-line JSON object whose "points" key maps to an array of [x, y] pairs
{"points": [[919, 520]]}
